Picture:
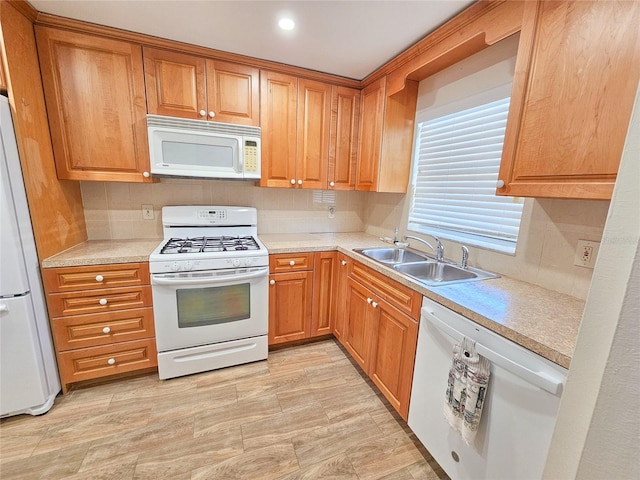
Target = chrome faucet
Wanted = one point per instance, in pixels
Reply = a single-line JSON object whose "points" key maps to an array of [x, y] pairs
{"points": [[465, 257], [438, 249]]}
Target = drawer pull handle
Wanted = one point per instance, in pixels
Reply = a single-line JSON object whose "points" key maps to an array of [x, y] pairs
{"points": [[292, 263], [103, 301], [293, 181], [369, 300], [111, 361], [332, 184], [99, 278], [202, 112], [374, 304], [272, 282], [106, 330], [343, 262]]}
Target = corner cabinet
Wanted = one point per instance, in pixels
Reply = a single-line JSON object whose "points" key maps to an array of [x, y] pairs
{"points": [[188, 86], [301, 295], [380, 331], [94, 91], [386, 137], [576, 78]]}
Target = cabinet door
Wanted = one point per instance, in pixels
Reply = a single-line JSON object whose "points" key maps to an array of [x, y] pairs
{"points": [[370, 143], [340, 298], [233, 93], [393, 350], [175, 84], [324, 275], [290, 297], [94, 90], [278, 95], [358, 329], [343, 138], [314, 114], [577, 71]]}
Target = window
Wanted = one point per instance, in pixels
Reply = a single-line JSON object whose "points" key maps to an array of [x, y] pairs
{"points": [[456, 162]]}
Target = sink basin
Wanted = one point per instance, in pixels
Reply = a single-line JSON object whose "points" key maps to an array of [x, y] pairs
{"points": [[391, 255], [438, 273]]}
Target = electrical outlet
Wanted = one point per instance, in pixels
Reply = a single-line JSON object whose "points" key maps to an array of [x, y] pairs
{"points": [[332, 212], [147, 212], [586, 253]]}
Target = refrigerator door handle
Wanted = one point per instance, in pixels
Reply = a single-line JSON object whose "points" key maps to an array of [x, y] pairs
{"points": [[543, 379], [3, 308]]}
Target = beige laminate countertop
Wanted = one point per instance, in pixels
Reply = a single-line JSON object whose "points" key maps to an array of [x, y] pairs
{"points": [[540, 320]]}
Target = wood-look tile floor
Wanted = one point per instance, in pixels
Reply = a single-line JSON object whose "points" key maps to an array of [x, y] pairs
{"points": [[305, 413]]}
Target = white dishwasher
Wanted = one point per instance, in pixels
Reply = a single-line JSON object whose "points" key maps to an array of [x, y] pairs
{"points": [[520, 406]]}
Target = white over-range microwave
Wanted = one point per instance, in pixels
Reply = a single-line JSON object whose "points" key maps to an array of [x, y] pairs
{"points": [[180, 147]]}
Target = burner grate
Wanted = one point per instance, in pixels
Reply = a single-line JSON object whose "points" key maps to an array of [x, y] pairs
{"points": [[209, 244]]}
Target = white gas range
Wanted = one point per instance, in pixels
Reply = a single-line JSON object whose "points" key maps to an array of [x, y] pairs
{"points": [[209, 279]]}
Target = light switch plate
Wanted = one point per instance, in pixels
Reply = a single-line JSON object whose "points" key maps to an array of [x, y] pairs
{"points": [[586, 253]]}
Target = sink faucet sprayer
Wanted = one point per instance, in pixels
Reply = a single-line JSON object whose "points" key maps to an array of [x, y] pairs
{"points": [[438, 249]]}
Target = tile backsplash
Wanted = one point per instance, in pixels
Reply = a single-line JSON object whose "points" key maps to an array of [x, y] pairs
{"points": [[114, 210], [549, 231]]}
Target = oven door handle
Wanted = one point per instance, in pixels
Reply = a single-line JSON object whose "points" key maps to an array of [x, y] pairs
{"points": [[161, 280]]}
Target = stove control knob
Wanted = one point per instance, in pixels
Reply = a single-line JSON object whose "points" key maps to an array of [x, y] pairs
{"points": [[188, 265], [236, 262], [248, 262], [175, 266]]}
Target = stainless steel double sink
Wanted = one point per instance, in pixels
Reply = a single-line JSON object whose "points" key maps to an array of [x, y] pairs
{"points": [[423, 268]]}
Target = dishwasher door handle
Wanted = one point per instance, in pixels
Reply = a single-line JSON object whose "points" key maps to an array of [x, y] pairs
{"points": [[545, 380]]}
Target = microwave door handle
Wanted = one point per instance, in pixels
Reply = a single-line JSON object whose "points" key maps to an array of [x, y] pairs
{"points": [[209, 280], [241, 158]]}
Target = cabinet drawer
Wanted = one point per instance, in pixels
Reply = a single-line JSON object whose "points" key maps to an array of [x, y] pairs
{"points": [[81, 331], [401, 297], [67, 279], [98, 301], [94, 362], [290, 262]]}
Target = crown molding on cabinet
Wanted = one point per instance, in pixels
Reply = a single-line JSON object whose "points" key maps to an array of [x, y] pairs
{"points": [[25, 8]]}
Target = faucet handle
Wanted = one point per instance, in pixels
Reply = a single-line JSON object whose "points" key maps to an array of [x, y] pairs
{"points": [[465, 257]]}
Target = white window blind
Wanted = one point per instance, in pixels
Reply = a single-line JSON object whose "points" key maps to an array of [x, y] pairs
{"points": [[457, 158]]}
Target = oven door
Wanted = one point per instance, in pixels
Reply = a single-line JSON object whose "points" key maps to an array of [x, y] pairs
{"points": [[200, 308]]}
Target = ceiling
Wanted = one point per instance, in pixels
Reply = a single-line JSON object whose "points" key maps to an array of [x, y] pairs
{"points": [[347, 38]]}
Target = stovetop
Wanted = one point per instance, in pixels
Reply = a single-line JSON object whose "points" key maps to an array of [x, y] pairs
{"points": [[209, 244]]}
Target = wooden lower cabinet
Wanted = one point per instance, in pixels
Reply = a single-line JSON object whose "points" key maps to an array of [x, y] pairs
{"points": [[340, 295], [300, 296], [379, 335], [101, 320]]}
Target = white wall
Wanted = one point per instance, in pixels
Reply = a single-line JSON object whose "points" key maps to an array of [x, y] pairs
{"points": [[550, 229], [598, 427]]}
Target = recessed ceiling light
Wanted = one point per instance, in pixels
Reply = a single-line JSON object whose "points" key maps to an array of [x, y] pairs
{"points": [[286, 24]]}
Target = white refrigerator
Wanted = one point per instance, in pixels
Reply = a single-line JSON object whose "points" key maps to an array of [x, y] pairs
{"points": [[29, 379]]}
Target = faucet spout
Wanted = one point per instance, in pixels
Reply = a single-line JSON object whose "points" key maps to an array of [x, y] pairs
{"points": [[438, 249]]}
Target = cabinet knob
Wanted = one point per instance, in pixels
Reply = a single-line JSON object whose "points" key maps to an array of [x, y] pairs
{"points": [[292, 263], [332, 184], [99, 278], [299, 182], [212, 114], [272, 282], [374, 304], [103, 301], [500, 184], [202, 113], [293, 181], [146, 174], [343, 262], [111, 361], [369, 300], [106, 330]]}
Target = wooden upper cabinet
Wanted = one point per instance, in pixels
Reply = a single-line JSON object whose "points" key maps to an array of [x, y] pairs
{"points": [[94, 91], [343, 138], [176, 84], [576, 77], [233, 92], [188, 86], [386, 137], [278, 98], [314, 115]]}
